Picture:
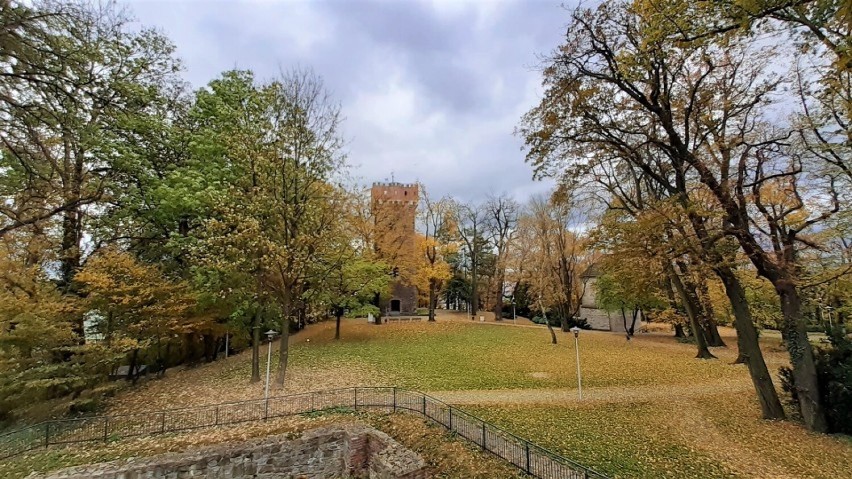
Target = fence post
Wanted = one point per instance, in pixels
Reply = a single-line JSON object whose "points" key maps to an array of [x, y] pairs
{"points": [[106, 428], [163, 422], [216, 420], [527, 447], [394, 399], [46, 434], [451, 418], [483, 435], [356, 398], [313, 405], [424, 405]]}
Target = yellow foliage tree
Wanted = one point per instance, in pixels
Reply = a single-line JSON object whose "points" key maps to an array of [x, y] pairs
{"points": [[135, 307]]}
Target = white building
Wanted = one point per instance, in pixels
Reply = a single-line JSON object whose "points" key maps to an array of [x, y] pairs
{"points": [[597, 317]]}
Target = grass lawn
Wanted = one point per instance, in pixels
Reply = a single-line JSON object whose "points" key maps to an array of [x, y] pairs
{"points": [[716, 437], [453, 355], [649, 410]]}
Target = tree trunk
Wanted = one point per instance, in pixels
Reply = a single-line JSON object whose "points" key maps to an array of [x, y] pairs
{"points": [[711, 332], [498, 298], [628, 330], [134, 361], [632, 329], [474, 286], [549, 328], [338, 313], [711, 328], [377, 302], [218, 342], [750, 352], [255, 348], [547, 322], [700, 342], [801, 356], [209, 347], [433, 298], [741, 354], [678, 328], [284, 348]]}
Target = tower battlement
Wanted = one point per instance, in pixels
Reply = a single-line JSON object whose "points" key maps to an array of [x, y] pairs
{"points": [[393, 192], [394, 184]]}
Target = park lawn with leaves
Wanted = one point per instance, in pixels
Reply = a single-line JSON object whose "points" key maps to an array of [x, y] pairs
{"points": [[453, 356], [719, 436], [652, 409]]}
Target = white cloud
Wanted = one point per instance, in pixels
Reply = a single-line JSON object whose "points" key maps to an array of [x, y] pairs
{"points": [[431, 91]]}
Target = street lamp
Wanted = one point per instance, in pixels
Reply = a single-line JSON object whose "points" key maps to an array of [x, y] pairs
{"points": [[829, 309], [576, 332], [269, 334]]}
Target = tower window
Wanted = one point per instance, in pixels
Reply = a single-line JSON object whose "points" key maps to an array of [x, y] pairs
{"points": [[406, 193]]}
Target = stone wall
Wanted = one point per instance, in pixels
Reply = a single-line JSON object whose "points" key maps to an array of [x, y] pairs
{"points": [[353, 450], [597, 318]]}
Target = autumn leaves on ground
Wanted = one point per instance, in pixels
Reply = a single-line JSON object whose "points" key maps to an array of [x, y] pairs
{"points": [[649, 408]]}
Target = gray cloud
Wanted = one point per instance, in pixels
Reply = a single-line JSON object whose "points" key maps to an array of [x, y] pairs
{"points": [[431, 91]]}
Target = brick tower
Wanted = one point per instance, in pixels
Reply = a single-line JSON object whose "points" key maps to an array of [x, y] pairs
{"points": [[394, 207]]}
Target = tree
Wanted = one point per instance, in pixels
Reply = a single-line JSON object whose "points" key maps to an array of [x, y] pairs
{"points": [[297, 195], [680, 111], [222, 228], [502, 220], [352, 285], [470, 220], [436, 245], [136, 306], [40, 357], [77, 81], [558, 253]]}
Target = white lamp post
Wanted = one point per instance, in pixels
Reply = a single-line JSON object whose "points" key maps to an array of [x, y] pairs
{"points": [[576, 332], [269, 334]]}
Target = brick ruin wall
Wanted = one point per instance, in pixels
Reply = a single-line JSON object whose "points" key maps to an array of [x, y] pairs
{"points": [[347, 451]]}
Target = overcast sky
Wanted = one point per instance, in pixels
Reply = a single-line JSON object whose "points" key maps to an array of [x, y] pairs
{"points": [[431, 90]]}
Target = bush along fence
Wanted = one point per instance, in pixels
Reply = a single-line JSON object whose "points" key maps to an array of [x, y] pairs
{"points": [[530, 458]]}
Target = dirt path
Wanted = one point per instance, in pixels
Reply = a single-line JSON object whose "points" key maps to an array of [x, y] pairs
{"points": [[487, 316], [591, 395]]}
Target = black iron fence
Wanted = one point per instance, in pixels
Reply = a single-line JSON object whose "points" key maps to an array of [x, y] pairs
{"points": [[532, 459]]}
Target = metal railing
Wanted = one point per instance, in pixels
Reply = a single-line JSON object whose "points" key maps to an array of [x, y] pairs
{"points": [[530, 458]]}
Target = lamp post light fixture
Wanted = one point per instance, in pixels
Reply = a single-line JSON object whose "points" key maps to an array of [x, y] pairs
{"points": [[576, 332], [269, 334]]}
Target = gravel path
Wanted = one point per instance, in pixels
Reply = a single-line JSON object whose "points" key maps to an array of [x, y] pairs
{"points": [[597, 394]]}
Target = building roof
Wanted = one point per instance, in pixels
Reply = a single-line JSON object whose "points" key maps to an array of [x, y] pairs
{"points": [[593, 271]]}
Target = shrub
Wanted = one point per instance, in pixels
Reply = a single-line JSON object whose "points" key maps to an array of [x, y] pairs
{"points": [[364, 310], [834, 372], [555, 322]]}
